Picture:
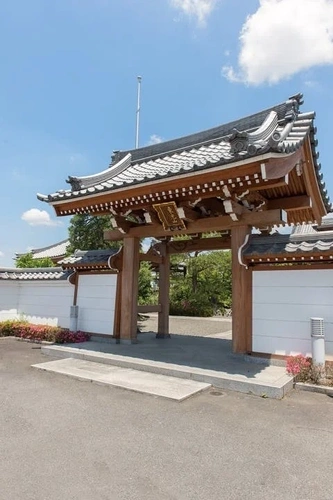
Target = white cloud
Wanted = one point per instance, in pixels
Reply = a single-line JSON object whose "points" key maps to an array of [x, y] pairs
{"points": [[2, 254], [36, 217], [199, 9], [282, 38], [154, 139]]}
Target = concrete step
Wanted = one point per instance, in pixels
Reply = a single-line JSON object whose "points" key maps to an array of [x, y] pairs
{"points": [[266, 381], [125, 378]]}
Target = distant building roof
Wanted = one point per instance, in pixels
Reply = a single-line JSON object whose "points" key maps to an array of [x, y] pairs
{"points": [[51, 251]]}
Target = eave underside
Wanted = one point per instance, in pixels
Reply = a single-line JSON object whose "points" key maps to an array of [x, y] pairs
{"points": [[287, 183]]}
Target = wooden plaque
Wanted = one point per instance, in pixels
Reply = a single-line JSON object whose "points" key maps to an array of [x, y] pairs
{"points": [[168, 215]]}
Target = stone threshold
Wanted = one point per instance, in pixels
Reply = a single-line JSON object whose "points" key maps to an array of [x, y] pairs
{"points": [[275, 389]]}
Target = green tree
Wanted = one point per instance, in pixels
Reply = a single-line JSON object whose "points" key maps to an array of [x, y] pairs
{"points": [[144, 286], [27, 260], [206, 287], [86, 232]]}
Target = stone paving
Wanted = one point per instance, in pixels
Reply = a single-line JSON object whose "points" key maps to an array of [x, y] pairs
{"points": [[199, 349], [196, 327]]}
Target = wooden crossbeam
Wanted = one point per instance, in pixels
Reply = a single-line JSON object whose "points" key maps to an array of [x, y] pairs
{"points": [[290, 203], [150, 257], [199, 245], [150, 308], [206, 224]]}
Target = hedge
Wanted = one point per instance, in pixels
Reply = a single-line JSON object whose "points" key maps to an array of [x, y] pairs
{"points": [[25, 330]]}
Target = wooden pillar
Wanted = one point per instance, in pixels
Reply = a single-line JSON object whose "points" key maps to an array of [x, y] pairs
{"points": [[163, 293], [129, 289], [241, 295], [117, 308]]}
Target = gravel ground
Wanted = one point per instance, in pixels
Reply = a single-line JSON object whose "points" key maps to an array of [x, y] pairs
{"points": [[65, 439], [184, 325]]}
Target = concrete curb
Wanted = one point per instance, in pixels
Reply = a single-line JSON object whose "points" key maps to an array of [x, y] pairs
{"points": [[322, 389], [32, 341], [221, 380]]}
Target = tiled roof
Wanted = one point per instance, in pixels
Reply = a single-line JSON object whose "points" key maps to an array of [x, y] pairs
{"points": [[303, 239], [89, 258], [34, 274], [280, 129], [52, 251]]}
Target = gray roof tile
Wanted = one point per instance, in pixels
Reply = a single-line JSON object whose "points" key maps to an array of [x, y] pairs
{"points": [[52, 251], [304, 239], [34, 274], [84, 258], [280, 129]]}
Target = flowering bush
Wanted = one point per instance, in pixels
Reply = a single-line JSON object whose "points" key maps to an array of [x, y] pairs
{"points": [[66, 336], [300, 367], [25, 330]]}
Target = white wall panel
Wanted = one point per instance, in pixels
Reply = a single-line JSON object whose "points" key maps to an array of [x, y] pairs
{"points": [[46, 302], [9, 294], [96, 301], [284, 302]]}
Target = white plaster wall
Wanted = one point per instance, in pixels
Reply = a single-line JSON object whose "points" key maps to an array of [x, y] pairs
{"points": [[284, 302], [46, 303], [9, 296], [43, 303], [96, 301]]}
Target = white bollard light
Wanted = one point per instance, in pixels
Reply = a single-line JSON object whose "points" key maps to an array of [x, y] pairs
{"points": [[73, 318], [318, 341]]}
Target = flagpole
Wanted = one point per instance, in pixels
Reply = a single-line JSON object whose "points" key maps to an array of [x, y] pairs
{"points": [[138, 114]]}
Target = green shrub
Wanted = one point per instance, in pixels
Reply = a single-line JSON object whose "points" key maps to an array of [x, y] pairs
{"points": [[194, 306], [11, 327]]}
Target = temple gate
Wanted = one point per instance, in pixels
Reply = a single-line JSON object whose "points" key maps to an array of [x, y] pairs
{"points": [[256, 172]]}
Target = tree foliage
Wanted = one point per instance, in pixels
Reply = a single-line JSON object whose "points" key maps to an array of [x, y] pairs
{"points": [[27, 260], [206, 288], [145, 283], [86, 232]]}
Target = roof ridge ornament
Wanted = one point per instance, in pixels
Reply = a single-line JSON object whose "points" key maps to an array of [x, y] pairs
{"points": [[252, 142], [87, 181], [292, 107], [238, 140]]}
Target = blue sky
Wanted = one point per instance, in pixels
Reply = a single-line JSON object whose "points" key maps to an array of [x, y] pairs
{"points": [[69, 74]]}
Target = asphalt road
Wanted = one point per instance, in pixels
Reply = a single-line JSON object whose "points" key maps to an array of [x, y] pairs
{"points": [[62, 439]]}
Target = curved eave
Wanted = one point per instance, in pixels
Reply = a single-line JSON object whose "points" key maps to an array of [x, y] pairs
{"points": [[151, 186], [315, 188]]}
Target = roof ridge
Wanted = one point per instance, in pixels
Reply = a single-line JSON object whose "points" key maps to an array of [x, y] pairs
{"points": [[230, 125], [42, 249]]}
